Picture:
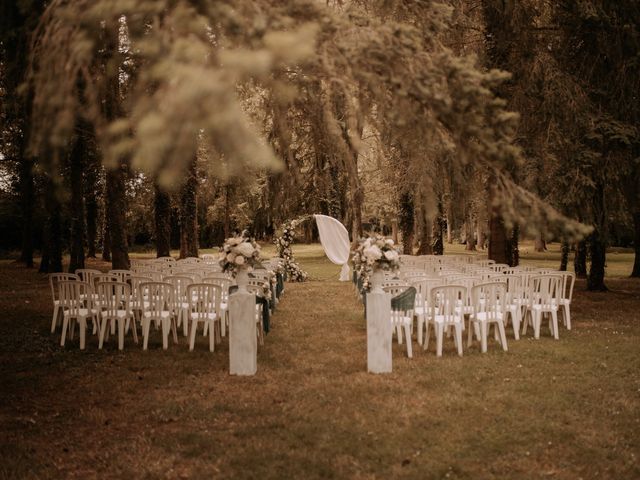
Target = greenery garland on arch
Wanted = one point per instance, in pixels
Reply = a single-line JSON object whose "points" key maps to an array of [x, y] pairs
{"points": [[283, 249]]}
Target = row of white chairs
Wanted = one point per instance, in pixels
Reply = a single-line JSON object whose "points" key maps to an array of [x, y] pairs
{"points": [[448, 292], [91, 294]]}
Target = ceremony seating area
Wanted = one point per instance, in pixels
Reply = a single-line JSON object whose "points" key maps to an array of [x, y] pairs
{"points": [[167, 295], [457, 293]]}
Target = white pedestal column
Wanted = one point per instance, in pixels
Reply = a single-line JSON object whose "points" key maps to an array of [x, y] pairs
{"points": [[378, 331], [243, 343]]}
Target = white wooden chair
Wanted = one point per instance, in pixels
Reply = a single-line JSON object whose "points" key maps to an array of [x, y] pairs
{"points": [[114, 299], [54, 280], [76, 303], [545, 295], [179, 300], [446, 311], [566, 290], [156, 298], [204, 307], [489, 307]]}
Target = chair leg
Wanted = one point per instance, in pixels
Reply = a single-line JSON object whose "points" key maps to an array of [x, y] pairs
{"points": [[459, 337], [65, 325], [54, 320], [223, 326], [537, 321], [174, 330], [425, 345], [103, 328], [121, 328], [192, 335], [83, 331], [165, 333], [554, 321], [146, 326], [212, 336], [515, 320], [483, 336], [134, 327], [567, 315], [439, 335], [503, 335], [185, 323], [470, 333], [407, 333], [399, 334]]}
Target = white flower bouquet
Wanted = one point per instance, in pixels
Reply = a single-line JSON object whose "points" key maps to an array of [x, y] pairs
{"points": [[376, 252], [239, 252]]}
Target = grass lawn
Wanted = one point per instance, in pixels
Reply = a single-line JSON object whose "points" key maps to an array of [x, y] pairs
{"points": [[564, 409]]}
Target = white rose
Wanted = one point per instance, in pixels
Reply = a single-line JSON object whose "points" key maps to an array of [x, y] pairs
{"points": [[239, 260], [373, 253], [389, 242], [230, 257], [245, 249], [233, 241], [391, 255]]}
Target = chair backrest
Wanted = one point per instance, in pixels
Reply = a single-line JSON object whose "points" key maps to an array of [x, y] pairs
{"points": [[545, 289], [113, 297], [180, 284], [136, 281], [156, 297], [489, 298], [568, 282], [223, 282], [423, 287], [75, 295], [104, 277], [446, 302], [86, 274], [515, 286], [165, 260], [123, 275], [204, 298], [56, 278]]}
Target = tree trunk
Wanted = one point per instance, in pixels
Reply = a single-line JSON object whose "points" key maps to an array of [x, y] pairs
{"points": [[539, 244], [406, 220], [91, 205], [52, 260], [106, 236], [597, 250], [498, 241], [162, 213], [77, 201], [394, 231], [116, 205], [438, 232], [425, 247], [91, 192], [227, 212], [27, 199], [449, 232], [636, 244], [116, 217], [470, 241], [482, 239], [580, 260], [564, 258], [515, 246], [189, 213]]}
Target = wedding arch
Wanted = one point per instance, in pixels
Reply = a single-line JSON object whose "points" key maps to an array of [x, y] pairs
{"points": [[333, 237]]}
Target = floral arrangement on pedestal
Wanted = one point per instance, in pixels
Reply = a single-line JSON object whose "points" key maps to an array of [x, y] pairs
{"points": [[239, 253], [283, 250], [374, 253]]}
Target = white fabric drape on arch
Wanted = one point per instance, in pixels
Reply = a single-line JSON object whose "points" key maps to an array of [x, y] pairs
{"points": [[335, 241]]}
